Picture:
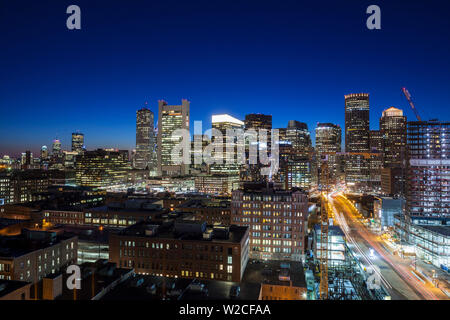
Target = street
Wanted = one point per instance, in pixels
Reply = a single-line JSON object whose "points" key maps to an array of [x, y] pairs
{"points": [[396, 275]]}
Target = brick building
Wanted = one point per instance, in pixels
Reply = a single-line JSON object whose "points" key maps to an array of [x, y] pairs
{"points": [[34, 254], [14, 290], [277, 220], [209, 210], [182, 248], [280, 280], [113, 215]]}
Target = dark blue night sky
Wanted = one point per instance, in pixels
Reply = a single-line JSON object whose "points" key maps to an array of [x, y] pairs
{"points": [[292, 59]]}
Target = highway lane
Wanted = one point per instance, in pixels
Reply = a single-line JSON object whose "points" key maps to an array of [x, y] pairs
{"points": [[396, 282]]}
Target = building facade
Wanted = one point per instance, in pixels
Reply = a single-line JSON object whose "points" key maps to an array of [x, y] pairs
{"points": [[78, 142], [181, 248], [35, 254], [376, 141], [393, 132], [171, 118], [216, 184], [102, 168], [145, 157], [428, 186], [212, 211], [23, 186], [357, 140], [277, 220], [232, 131], [328, 144]]}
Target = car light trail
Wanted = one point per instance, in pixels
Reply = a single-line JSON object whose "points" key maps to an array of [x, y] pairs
{"points": [[401, 270], [343, 223]]}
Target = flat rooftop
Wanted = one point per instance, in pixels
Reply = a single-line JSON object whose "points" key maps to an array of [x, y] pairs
{"points": [[87, 233], [130, 206], [275, 272], [8, 286], [220, 290], [169, 229], [4, 222], [267, 189], [139, 288], [206, 203], [19, 245], [105, 273], [146, 287]]}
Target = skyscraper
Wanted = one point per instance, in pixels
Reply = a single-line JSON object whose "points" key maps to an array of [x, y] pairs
{"points": [[224, 123], [44, 153], [428, 190], [44, 157], [376, 141], [297, 133], [102, 168], [257, 122], [393, 132], [357, 140], [426, 224], [56, 147], [27, 159], [298, 170], [328, 144], [171, 118], [357, 137], [145, 157], [57, 158], [77, 142]]}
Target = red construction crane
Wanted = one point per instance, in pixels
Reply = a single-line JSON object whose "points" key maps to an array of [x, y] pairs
{"points": [[408, 97]]}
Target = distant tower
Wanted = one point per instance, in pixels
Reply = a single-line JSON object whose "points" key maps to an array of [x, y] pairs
{"points": [[298, 169], [259, 121], [57, 157], [357, 140], [393, 132], [27, 158], [77, 142], [357, 135], [328, 145], [171, 118], [224, 122], [298, 134], [44, 153], [145, 157], [56, 148]]}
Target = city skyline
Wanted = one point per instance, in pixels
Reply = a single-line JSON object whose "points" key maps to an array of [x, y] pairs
{"points": [[67, 143], [275, 60], [241, 152]]}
